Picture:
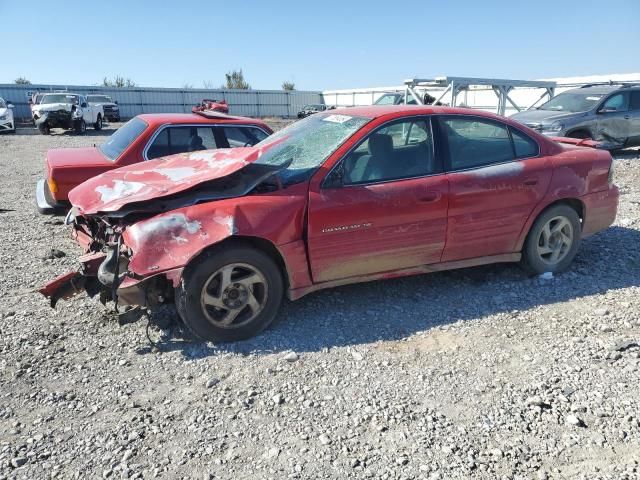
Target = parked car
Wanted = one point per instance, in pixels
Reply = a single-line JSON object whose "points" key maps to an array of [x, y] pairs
{"points": [[68, 111], [33, 101], [142, 138], [110, 108], [311, 109], [397, 98], [7, 122], [348, 196], [609, 114], [211, 104]]}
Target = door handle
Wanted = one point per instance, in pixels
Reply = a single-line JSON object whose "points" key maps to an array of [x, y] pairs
{"points": [[429, 197], [531, 181], [627, 117]]}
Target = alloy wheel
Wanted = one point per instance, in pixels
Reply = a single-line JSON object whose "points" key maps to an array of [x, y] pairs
{"points": [[555, 240], [234, 295]]}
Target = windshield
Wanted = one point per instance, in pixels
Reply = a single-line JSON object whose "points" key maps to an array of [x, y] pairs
{"points": [[99, 98], [387, 99], [2, 104], [572, 102], [307, 144], [122, 138], [60, 98]]}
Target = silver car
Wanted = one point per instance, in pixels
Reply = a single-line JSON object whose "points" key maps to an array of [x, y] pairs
{"points": [[609, 114]]}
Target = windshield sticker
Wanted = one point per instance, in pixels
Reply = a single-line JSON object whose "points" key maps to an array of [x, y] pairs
{"points": [[337, 118], [594, 98]]}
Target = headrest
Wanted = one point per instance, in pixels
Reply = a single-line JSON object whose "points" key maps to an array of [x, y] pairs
{"points": [[380, 144]]}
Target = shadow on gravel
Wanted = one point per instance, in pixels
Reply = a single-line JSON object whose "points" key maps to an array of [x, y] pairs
{"points": [[395, 309]]}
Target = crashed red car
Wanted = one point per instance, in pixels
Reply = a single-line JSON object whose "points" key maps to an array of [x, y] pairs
{"points": [[348, 196], [142, 138]]}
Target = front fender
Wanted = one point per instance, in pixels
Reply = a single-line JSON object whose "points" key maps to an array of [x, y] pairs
{"points": [[171, 240], [42, 119]]}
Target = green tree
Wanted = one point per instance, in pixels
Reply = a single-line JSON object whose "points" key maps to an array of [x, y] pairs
{"points": [[235, 79], [118, 82], [22, 81], [289, 86]]}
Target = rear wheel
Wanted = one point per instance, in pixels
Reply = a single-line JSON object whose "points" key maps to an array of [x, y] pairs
{"points": [[553, 241], [230, 294]]}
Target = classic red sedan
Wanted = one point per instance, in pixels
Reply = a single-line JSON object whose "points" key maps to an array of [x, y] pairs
{"points": [[345, 196], [142, 138]]}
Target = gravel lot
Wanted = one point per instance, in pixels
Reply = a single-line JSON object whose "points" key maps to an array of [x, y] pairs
{"points": [[477, 373]]}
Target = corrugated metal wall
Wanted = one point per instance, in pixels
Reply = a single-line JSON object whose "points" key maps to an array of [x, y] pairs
{"points": [[133, 101]]}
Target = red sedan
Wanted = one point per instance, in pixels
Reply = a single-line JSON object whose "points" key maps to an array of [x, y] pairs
{"points": [[348, 196], [142, 138]]}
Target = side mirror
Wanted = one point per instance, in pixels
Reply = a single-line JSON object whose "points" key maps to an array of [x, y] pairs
{"points": [[83, 104], [10, 105]]}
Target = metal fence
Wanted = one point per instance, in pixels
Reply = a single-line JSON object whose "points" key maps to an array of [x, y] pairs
{"points": [[137, 100]]}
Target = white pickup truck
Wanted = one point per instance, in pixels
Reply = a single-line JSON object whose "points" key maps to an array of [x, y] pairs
{"points": [[68, 111]]}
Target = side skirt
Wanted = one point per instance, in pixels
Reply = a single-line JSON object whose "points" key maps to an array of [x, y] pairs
{"points": [[294, 294]]}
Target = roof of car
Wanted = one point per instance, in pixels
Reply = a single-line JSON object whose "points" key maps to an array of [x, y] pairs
{"points": [[375, 111], [601, 89], [155, 119]]}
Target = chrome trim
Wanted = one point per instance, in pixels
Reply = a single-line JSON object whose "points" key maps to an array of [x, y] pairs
{"points": [[169, 125]]}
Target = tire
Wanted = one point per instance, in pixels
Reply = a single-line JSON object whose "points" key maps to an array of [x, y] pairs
{"points": [[81, 126], [98, 124], [561, 240], [582, 134], [229, 314], [44, 128]]}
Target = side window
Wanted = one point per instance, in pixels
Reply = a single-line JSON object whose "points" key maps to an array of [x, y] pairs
{"points": [[243, 136], [523, 145], [181, 139], [616, 103], [475, 142], [635, 100], [160, 145], [401, 150]]}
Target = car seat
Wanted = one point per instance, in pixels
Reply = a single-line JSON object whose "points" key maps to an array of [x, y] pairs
{"points": [[196, 143]]}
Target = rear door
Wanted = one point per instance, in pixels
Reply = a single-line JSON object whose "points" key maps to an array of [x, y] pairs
{"points": [[496, 178], [387, 211], [613, 119]]}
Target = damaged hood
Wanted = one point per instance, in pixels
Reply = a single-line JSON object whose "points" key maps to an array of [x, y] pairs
{"points": [[163, 177]]}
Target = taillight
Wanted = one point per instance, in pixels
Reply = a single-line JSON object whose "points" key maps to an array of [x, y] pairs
{"points": [[53, 186]]}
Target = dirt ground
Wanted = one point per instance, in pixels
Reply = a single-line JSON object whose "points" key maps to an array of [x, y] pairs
{"points": [[476, 373]]}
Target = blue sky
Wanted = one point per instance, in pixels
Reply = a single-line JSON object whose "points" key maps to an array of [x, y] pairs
{"points": [[318, 45]]}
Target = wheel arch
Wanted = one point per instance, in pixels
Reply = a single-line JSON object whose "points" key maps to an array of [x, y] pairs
{"points": [[575, 203], [257, 243], [570, 133]]}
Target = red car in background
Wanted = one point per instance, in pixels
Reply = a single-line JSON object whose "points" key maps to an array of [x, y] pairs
{"points": [[348, 196], [142, 138]]}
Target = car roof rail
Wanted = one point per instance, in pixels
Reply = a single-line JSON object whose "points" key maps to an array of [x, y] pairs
{"points": [[629, 85]]}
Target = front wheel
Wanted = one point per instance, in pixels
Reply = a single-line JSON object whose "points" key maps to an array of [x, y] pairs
{"points": [[98, 124], [44, 128], [230, 294], [553, 241], [80, 126]]}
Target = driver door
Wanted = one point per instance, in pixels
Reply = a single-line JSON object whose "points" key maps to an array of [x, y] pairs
{"points": [[383, 207]]}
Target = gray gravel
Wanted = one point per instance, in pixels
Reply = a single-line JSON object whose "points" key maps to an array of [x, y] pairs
{"points": [[477, 373]]}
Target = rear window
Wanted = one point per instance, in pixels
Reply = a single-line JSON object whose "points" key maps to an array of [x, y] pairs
{"points": [[122, 138]]}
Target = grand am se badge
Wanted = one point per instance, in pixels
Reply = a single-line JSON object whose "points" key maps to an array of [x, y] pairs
{"points": [[346, 227]]}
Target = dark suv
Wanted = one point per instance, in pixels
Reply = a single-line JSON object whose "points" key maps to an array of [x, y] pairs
{"points": [[609, 114]]}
